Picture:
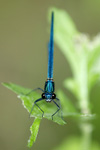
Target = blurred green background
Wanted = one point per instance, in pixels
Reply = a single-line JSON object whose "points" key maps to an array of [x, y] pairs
{"points": [[23, 60]]}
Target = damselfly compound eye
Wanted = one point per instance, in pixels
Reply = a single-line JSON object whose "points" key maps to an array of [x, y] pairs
{"points": [[53, 96], [43, 95]]}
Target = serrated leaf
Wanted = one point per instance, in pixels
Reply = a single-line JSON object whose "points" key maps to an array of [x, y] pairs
{"points": [[34, 131], [28, 101]]}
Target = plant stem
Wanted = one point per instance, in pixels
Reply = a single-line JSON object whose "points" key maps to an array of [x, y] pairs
{"points": [[85, 124], [86, 129]]}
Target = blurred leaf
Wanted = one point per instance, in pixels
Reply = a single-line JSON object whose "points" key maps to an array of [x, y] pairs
{"points": [[64, 20], [94, 61], [94, 51], [67, 107], [64, 30], [71, 85], [82, 54], [75, 143], [34, 131], [73, 46], [93, 79]]}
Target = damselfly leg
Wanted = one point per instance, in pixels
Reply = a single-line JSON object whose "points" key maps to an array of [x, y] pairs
{"points": [[34, 90], [57, 109], [35, 103], [60, 107]]}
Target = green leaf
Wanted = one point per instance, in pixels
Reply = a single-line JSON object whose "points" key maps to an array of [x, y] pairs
{"points": [[94, 61], [76, 143], [71, 85], [67, 107], [64, 32], [94, 51], [61, 19], [93, 80], [34, 131], [16, 88], [28, 101], [82, 54]]}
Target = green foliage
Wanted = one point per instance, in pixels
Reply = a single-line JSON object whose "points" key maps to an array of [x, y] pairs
{"points": [[49, 108], [82, 54], [76, 143], [67, 106], [28, 101], [34, 131]]}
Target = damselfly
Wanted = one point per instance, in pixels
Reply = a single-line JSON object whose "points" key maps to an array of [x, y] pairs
{"points": [[48, 93]]}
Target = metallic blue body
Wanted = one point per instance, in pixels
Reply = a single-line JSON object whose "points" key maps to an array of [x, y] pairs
{"points": [[51, 50], [49, 84], [49, 90], [48, 93]]}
